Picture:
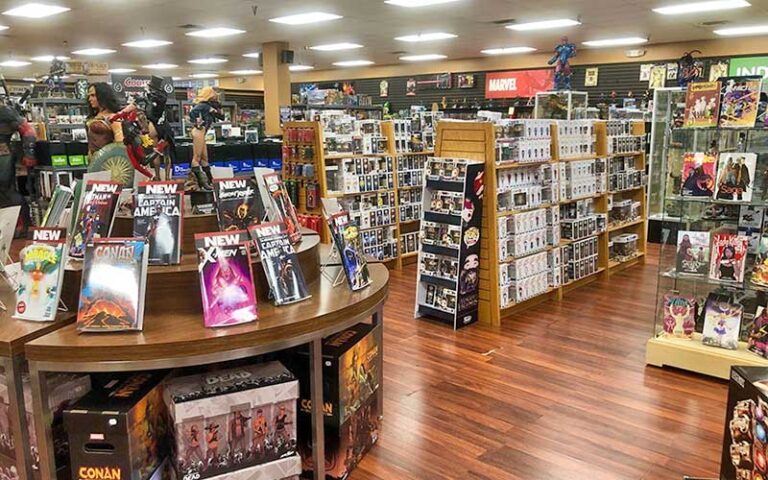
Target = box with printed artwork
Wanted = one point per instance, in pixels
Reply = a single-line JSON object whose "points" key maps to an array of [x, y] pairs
{"points": [[746, 425]]}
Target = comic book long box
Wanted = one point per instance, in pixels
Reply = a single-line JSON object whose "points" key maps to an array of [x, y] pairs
{"points": [[229, 420], [119, 431]]}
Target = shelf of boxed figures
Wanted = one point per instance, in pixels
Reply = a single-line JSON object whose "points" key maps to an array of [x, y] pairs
{"points": [[409, 167]]}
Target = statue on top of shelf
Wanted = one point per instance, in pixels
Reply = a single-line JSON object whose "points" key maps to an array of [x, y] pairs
{"points": [[564, 52], [689, 69]]}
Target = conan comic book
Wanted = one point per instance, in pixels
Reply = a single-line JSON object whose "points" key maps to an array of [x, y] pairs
{"points": [[346, 236], [238, 204], [281, 265], [698, 176], [226, 279], [722, 322], [282, 209], [739, 101], [728, 257], [158, 217], [113, 286], [94, 219], [679, 315], [702, 104], [736, 176], [692, 252], [41, 273]]}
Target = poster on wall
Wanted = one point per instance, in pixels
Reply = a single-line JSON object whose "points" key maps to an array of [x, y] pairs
{"points": [[658, 77], [717, 70], [672, 71], [440, 81], [466, 80], [645, 72], [590, 78], [384, 88], [517, 84], [410, 87], [748, 66]]}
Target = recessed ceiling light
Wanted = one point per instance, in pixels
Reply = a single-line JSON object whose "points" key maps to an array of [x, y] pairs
{"points": [[122, 70], [36, 10], [147, 43], [426, 37], [94, 51], [49, 58], [300, 68], [217, 32], [305, 18], [203, 75], [615, 42], [422, 58], [507, 50], [252, 55], [544, 24], [745, 30], [208, 61], [176, 79], [353, 63], [160, 66], [14, 63], [4, 27], [332, 47], [29, 79], [417, 3], [709, 6], [246, 72]]}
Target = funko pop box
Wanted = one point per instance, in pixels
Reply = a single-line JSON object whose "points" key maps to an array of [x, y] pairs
{"points": [[119, 430], [228, 420], [746, 426]]}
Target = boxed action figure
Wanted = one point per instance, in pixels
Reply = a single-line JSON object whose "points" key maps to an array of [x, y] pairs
{"points": [[229, 420]]}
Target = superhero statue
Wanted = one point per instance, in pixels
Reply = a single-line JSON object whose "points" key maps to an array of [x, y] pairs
{"points": [[689, 69], [564, 52]]}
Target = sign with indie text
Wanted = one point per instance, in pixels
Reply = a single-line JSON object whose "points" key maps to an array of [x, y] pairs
{"points": [[522, 83], [135, 84], [748, 66]]}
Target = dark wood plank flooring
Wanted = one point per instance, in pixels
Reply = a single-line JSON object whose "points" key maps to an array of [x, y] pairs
{"points": [[558, 392]]}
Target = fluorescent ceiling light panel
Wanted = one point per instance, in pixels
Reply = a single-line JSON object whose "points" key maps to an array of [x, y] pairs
{"points": [[417, 3], [29, 79], [217, 32], [507, 50], [422, 58], [203, 75], [426, 37], [4, 27], [353, 63], [300, 68], [616, 42], [333, 47], [147, 43], [745, 30], [36, 10], [49, 58], [305, 18], [122, 70], [695, 7], [246, 72], [94, 51], [544, 25], [208, 61], [161, 66], [252, 55], [14, 63]]}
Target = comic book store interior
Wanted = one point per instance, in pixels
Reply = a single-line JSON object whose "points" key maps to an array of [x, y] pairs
{"points": [[384, 240]]}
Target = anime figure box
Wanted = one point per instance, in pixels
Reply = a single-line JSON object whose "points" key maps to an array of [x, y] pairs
{"points": [[746, 425]]}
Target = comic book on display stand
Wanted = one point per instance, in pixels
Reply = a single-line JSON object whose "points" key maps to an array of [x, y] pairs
{"points": [[113, 286], [692, 252], [739, 101], [346, 236], [158, 217], [736, 176], [282, 209], [41, 264], [226, 279], [698, 175], [728, 257], [722, 322], [759, 275], [238, 204], [702, 104], [9, 217], [281, 265], [55, 212], [95, 216], [679, 315]]}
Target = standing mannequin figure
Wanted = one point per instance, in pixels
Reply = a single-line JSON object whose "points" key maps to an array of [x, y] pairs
{"points": [[11, 121], [206, 112]]}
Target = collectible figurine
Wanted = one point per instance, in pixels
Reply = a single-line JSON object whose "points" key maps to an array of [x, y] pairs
{"points": [[238, 438], [194, 449], [205, 113], [689, 69], [563, 71], [260, 431], [212, 440], [281, 422]]}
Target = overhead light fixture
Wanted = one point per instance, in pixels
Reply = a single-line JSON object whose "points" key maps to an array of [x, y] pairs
{"points": [[423, 58], [29, 79], [49, 58], [353, 63], [94, 51], [616, 42], [14, 63], [246, 72], [36, 10], [696, 7], [121, 70], [300, 68], [208, 61], [176, 79], [417, 3], [4, 27], [426, 37], [745, 30], [544, 25], [305, 18], [507, 50], [147, 43], [216, 32], [160, 66], [332, 47], [203, 75], [252, 55]]}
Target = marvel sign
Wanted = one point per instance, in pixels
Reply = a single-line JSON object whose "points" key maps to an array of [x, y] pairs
{"points": [[521, 83]]}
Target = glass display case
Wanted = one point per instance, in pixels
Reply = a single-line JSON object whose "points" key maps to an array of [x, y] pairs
{"points": [[562, 105], [668, 110]]}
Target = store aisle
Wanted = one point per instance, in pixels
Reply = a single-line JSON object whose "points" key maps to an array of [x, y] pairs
{"points": [[561, 391]]}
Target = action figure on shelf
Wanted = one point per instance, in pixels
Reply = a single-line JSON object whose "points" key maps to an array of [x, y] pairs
{"points": [[212, 440], [260, 431], [54, 81], [564, 52], [281, 423], [194, 448], [688, 69], [238, 443], [206, 112]]}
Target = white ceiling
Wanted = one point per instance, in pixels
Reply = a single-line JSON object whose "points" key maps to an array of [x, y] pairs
{"points": [[109, 23]]}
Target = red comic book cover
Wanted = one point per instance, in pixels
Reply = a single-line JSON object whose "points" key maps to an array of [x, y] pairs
{"points": [[729, 253]]}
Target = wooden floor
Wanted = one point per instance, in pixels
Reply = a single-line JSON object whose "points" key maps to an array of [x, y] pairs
{"points": [[559, 392]]}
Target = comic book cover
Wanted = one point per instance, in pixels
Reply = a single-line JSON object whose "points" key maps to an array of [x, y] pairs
{"points": [[113, 285], [702, 104], [238, 204], [226, 279], [347, 239], [759, 275], [94, 220], [281, 265], [41, 264], [9, 216], [698, 174], [158, 217], [692, 252], [736, 176], [679, 315], [739, 103], [728, 256], [61, 197], [722, 322], [282, 209], [758, 332]]}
